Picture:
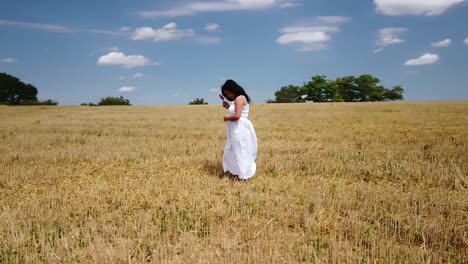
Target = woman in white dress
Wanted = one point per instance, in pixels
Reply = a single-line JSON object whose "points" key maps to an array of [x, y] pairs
{"points": [[240, 152]]}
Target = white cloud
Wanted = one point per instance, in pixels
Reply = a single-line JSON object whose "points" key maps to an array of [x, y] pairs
{"points": [[414, 7], [166, 33], [290, 4], [312, 37], [107, 32], [59, 28], [423, 60], [306, 37], [333, 19], [466, 41], [8, 60], [114, 49], [45, 27], [294, 29], [119, 58], [138, 75], [209, 40], [214, 90], [219, 6], [212, 27], [125, 29], [442, 43], [127, 89], [390, 36]]}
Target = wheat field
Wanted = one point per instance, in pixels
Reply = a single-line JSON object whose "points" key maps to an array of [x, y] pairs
{"points": [[336, 183]]}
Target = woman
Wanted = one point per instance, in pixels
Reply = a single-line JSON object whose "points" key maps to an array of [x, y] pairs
{"points": [[240, 152]]}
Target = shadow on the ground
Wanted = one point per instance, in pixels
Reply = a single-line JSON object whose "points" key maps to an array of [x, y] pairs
{"points": [[214, 168]]}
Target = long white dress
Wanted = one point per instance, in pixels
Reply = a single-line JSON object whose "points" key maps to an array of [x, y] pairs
{"points": [[240, 152]]}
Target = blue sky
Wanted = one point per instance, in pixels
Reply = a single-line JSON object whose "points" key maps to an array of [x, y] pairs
{"points": [[170, 52]]}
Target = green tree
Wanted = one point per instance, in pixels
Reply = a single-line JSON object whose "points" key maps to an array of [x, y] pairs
{"points": [[88, 104], [348, 89], [394, 94], [40, 102], [48, 102], [114, 101], [288, 94], [320, 89], [198, 101], [364, 88], [15, 92]]}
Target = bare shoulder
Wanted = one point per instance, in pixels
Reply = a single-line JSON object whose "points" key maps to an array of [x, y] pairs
{"points": [[241, 99]]}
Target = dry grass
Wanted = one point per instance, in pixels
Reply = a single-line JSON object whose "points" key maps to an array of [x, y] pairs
{"points": [[336, 183]]}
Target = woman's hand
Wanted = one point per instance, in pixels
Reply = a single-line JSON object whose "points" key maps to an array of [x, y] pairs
{"points": [[225, 104]]}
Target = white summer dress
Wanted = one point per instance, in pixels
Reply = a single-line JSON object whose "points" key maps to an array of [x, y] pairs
{"points": [[240, 152]]}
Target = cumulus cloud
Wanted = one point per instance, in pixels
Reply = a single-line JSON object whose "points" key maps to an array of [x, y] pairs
{"points": [[138, 75], [218, 6], [423, 60], [314, 36], [212, 27], [8, 60], [119, 58], [442, 43], [38, 26], [166, 33], [414, 7], [466, 41], [127, 89], [214, 90], [389, 36], [312, 40]]}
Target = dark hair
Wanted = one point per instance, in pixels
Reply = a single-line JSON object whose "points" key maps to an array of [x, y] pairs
{"points": [[233, 87]]}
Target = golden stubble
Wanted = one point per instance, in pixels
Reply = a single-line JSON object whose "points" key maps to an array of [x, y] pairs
{"points": [[336, 183]]}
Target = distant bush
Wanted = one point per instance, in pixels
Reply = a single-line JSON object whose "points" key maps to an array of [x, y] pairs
{"points": [[198, 101], [47, 102], [39, 102], [114, 101], [88, 104]]}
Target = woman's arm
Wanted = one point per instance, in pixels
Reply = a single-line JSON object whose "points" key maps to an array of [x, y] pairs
{"points": [[239, 103]]}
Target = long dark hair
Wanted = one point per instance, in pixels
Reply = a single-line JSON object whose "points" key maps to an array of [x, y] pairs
{"points": [[233, 87]]}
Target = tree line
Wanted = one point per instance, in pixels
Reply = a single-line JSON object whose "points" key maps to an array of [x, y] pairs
{"points": [[15, 92], [365, 88]]}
